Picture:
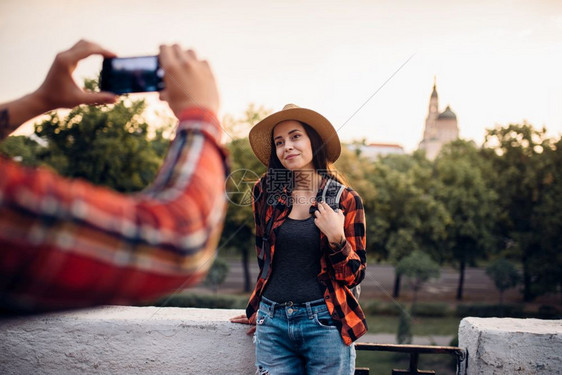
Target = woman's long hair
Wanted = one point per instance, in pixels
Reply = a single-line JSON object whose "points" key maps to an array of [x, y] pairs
{"points": [[277, 177]]}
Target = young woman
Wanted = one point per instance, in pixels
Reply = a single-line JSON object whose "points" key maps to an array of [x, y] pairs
{"points": [[309, 253]]}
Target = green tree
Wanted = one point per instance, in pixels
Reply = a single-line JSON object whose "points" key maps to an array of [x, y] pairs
{"points": [[418, 267], [504, 274], [404, 334], [22, 149], [407, 217], [107, 145], [110, 145], [519, 177], [356, 171], [471, 203], [547, 221], [217, 274], [238, 233]]}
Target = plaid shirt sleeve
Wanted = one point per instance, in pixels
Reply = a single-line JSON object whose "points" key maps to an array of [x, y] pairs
{"points": [[345, 268], [349, 261], [65, 243]]}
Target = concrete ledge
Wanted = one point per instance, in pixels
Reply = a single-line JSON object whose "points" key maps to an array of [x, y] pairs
{"points": [[127, 340], [512, 346], [152, 340]]}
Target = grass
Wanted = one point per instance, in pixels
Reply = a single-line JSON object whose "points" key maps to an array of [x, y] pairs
{"points": [[421, 326]]}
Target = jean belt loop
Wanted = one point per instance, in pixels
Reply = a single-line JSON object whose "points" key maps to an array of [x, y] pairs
{"points": [[309, 310], [269, 307]]}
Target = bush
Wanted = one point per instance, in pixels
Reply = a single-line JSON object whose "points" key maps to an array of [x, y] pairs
{"points": [[488, 311], [427, 309], [217, 274], [204, 301], [404, 334], [433, 309], [505, 275], [374, 307]]}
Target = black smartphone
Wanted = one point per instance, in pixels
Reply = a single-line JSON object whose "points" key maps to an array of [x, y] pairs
{"points": [[122, 75]]}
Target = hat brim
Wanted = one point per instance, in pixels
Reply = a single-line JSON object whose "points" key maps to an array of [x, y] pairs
{"points": [[260, 134]]}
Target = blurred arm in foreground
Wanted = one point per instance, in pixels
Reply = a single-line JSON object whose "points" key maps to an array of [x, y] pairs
{"points": [[65, 243]]}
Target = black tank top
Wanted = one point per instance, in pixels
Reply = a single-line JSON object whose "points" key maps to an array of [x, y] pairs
{"points": [[296, 263]]}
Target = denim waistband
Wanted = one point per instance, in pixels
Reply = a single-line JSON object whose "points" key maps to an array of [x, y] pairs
{"points": [[318, 302], [313, 307]]}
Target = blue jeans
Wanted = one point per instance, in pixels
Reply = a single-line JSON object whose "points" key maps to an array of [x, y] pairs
{"points": [[297, 339]]}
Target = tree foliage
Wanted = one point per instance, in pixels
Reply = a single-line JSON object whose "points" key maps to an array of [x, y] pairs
{"points": [[245, 171], [419, 268], [110, 145], [504, 274], [22, 149], [470, 202], [520, 157], [107, 145], [406, 215], [404, 334], [546, 264], [217, 274]]}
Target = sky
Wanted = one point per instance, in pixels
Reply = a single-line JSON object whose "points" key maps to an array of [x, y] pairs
{"points": [[368, 66]]}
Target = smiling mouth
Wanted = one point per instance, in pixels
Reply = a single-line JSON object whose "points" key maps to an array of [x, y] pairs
{"points": [[291, 157]]}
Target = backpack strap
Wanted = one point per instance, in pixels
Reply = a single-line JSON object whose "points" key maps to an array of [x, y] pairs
{"points": [[331, 194]]}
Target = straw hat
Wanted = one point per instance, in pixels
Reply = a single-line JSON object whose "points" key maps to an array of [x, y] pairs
{"points": [[260, 135]]}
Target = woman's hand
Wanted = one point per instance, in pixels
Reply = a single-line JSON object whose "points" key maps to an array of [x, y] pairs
{"points": [[330, 222], [242, 319]]}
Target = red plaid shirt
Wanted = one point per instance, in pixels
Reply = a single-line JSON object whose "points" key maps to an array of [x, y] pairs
{"points": [[341, 269], [66, 243]]}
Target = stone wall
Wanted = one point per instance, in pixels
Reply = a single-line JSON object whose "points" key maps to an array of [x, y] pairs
{"points": [[127, 340], [512, 346], [152, 340]]}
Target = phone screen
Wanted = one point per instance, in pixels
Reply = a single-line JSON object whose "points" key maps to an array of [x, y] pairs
{"points": [[122, 75]]}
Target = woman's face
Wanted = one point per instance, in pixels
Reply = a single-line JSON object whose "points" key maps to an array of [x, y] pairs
{"points": [[292, 145]]}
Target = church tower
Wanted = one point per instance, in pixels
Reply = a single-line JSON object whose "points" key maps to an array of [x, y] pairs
{"points": [[440, 128]]}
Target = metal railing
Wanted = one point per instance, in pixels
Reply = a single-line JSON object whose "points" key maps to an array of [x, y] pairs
{"points": [[415, 351]]}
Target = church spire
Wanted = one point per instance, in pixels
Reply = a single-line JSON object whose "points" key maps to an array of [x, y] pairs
{"points": [[440, 128], [434, 93], [433, 110]]}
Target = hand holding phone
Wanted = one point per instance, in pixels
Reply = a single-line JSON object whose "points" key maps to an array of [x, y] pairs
{"points": [[59, 90], [189, 80], [123, 75]]}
